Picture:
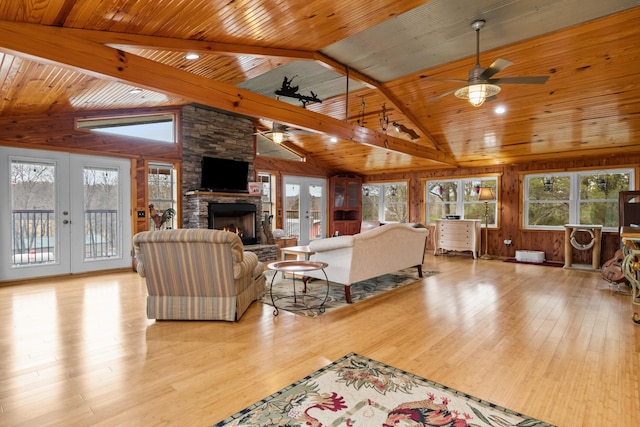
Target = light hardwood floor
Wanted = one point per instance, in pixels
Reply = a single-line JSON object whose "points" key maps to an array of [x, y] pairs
{"points": [[555, 344]]}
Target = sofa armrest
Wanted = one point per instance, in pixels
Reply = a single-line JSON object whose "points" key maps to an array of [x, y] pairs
{"points": [[246, 266], [331, 243]]}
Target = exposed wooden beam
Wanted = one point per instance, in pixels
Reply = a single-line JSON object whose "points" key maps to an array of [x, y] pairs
{"points": [[123, 40], [57, 46], [363, 78]]}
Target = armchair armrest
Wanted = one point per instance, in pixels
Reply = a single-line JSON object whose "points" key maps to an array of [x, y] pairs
{"points": [[138, 255], [331, 243], [246, 266]]}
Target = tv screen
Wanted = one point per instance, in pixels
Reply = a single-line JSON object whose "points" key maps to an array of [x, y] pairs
{"points": [[224, 175]]}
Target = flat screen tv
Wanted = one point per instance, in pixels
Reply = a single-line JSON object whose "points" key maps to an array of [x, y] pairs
{"points": [[224, 175]]}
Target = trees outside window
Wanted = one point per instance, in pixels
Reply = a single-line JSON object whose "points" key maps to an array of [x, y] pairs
{"points": [[582, 197], [460, 197], [385, 202]]}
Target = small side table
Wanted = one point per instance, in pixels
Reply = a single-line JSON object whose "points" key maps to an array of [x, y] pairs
{"points": [[298, 267]]}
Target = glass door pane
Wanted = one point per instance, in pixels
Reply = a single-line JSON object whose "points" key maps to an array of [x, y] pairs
{"points": [[101, 225], [100, 213], [315, 212], [304, 207], [33, 214], [292, 210]]}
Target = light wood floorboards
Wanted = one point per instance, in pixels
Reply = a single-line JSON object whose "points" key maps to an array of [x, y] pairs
{"points": [[555, 344]]}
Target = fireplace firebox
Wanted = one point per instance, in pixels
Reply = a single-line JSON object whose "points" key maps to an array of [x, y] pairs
{"points": [[239, 218]]}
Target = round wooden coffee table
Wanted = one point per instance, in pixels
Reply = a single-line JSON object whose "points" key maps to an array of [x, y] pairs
{"points": [[299, 267]]}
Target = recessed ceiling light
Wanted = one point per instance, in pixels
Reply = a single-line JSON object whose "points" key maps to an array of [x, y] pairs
{"points": [[191, 56], [500, 109]]}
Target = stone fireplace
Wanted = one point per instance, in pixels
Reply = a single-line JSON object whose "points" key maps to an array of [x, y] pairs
{"points": [[239, 218], [209, 132]]}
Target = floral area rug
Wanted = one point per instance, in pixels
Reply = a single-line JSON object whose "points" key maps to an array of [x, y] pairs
{"points": [[357, 391], [306, 304]]}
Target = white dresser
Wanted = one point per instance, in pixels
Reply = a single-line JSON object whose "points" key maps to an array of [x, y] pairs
{"points": [[457, 235]]}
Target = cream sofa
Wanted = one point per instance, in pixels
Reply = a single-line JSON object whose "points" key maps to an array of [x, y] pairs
{"points": [[380, 250], [197, 274]]}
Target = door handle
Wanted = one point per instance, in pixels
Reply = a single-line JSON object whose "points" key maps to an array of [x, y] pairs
{"points": [[66, 221]]}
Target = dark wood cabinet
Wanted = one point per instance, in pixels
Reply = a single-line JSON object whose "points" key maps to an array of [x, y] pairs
{"points": [[345, 204], [629, 209]]}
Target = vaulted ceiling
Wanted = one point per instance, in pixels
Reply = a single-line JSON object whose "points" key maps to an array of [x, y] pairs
{"points": [[370, 63]]}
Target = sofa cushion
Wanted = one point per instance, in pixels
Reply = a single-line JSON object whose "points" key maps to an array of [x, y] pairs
{"points": [[331, 243]]}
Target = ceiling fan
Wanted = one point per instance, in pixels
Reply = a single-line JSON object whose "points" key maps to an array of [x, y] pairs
{"points": [[480, 86], [280, 132]]}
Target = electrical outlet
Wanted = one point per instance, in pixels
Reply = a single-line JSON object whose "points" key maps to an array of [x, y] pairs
{"points": [[141, 214], [507, 242]]}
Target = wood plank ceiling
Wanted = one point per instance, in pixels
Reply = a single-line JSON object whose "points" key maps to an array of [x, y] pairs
{"points": [[62, 56]]}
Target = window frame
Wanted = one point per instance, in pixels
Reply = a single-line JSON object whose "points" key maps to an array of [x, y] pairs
{"points": [[174, 201], [382, 201], [574, 200], [460, 202], [125, 120]]}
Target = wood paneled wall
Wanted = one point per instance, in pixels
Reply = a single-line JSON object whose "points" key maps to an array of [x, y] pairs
{"points": [[510, 199], [56, 132]]}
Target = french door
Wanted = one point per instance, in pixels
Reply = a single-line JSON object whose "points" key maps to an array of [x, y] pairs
{"points": [[305, 207], [62, 213]]}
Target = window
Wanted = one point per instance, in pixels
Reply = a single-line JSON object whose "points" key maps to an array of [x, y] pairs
{"points": [[385, 202], [460, 197], [158, 127], [162, 196], [268, 182], [583, 197]]}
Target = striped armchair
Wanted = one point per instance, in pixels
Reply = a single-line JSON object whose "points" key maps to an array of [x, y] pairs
{"points": [[197, 274]]}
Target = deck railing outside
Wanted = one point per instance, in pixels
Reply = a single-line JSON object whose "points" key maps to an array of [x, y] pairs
{"points": [[292, 223], [34, 239]]}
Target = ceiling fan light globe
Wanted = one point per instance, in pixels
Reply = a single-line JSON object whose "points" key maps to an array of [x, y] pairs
{"points": [[477, 93], [278, 137]]}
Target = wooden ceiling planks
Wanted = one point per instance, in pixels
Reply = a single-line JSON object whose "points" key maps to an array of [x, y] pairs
{"points": [[589, 105]]}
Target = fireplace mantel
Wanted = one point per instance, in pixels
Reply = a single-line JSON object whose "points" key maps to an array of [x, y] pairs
{"points": [[216, 193]]}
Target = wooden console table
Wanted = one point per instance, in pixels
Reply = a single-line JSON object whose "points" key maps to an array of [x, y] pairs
{"points": [[631, 266]]}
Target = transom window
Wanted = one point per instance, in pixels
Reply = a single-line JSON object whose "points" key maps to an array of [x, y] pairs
{"points": [[384, 202], [459, 197], [158, 127], [552, 200]]}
